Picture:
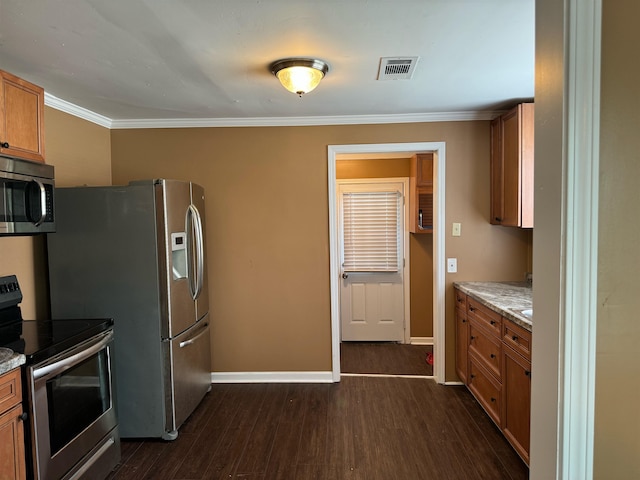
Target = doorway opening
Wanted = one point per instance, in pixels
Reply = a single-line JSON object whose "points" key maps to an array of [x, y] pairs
{"points": [[387, 151]]}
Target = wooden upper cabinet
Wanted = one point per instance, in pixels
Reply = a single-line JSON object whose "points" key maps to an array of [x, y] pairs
{"points": [[512, 167], [421, 193], [21, 118]]}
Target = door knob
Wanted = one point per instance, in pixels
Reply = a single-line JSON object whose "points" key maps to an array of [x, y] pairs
{"points": [[344, 275]]}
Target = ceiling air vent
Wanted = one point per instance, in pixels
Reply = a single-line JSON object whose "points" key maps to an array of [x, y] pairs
{"points": [[397, 68]]}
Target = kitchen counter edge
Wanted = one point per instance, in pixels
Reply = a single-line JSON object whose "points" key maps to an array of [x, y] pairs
{"points": [[506, 298], [14, 361]]}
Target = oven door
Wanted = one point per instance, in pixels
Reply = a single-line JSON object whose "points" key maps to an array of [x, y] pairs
{"points": [[71, 400]]}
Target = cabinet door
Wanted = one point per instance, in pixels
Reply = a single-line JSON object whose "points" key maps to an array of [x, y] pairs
{"points": [[12, 462], [462, 344], [516, 401], [512, 167], [21, 118], [424, 169], [497, 205], [512, 199]]}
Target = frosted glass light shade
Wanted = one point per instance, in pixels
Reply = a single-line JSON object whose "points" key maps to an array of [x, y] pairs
{"points": [[299, 75]]}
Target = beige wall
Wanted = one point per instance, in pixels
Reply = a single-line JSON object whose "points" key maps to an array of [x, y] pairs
{"points": [[617, 416], [267, 227], [80, 151]]}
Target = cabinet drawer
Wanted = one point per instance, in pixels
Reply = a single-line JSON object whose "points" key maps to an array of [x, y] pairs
{"points": [[10, 390], [517, 338], [461, 299], [487, 348], [484, 316], [486, 390]]}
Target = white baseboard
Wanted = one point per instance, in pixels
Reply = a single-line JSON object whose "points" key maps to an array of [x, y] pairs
{"points": [[271, 377], [453, 383], [421, 340]]}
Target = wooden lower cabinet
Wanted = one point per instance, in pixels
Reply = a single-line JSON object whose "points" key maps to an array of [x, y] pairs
{"points": [[493, 359], [12, 459], [516, 412]]}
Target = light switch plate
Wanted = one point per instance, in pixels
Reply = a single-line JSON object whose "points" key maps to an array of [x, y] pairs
{"points": [[452, 265], [457, 228]]}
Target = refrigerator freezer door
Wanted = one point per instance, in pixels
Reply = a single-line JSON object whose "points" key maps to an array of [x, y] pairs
{"points": [[190, 353], [174, 198], [202, 300]]}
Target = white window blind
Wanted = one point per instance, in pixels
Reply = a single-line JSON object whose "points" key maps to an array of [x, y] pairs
{"points": [[370, 227]]}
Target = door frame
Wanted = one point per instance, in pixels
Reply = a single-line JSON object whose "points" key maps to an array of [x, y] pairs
{"points": [[406, 273], [439, 168]]}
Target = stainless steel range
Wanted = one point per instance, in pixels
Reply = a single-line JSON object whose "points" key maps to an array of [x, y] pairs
{"points": [[72, 430]]}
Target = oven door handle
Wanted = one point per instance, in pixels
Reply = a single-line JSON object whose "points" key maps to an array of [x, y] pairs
{"points": [[87, 349]]}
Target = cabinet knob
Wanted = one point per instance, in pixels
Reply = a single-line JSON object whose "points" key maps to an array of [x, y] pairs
{"points": [[345, 276], [493, 399], [472, 337], [498, 219], [464, 320], [514, 338], [4, 144], [23, 416], [492, 356], [492, 322], [527, 373], [471, 308]]}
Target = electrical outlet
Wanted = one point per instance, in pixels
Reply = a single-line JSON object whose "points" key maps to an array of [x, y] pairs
{"points": [[452, 265], [457, 228]]}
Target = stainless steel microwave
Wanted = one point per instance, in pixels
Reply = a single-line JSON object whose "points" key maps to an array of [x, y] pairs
{"points": [[26, 197]]}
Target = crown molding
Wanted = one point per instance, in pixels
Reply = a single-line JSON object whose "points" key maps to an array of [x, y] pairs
{"points": [[76, 111], [304, 121], [80, 112]]}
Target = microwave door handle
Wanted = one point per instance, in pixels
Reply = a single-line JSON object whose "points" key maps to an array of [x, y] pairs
{"points": [[43, 202]]}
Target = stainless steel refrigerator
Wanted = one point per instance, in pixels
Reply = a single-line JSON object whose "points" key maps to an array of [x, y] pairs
{"points": [[136, 253]]}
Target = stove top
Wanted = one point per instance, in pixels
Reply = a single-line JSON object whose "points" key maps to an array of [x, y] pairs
{"points": [[39, 340]]}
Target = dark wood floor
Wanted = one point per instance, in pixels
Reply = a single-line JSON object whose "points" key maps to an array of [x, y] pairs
{"points": [[373, 428], [385, 358]]}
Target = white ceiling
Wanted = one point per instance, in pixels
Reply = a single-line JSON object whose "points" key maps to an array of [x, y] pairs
{"points": [[189, 59]]}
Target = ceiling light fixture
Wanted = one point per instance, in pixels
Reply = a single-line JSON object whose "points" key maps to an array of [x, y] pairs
{"points": [[299, 75]]}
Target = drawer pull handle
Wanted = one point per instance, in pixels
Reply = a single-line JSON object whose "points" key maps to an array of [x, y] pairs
{"points": [[492, 322]]}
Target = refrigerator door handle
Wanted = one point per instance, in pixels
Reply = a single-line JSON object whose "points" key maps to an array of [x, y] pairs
{"points": [[194, 232], [200, 252], [193, 340]]}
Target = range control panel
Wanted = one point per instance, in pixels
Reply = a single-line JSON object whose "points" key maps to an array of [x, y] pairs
{"points": [[10, 293]]}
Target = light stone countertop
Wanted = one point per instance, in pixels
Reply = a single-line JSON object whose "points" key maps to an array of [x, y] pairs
{"points": [[506, 298], [14, 361]]}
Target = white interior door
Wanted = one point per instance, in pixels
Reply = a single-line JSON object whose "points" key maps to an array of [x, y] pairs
{"points": [[371, 236]]}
